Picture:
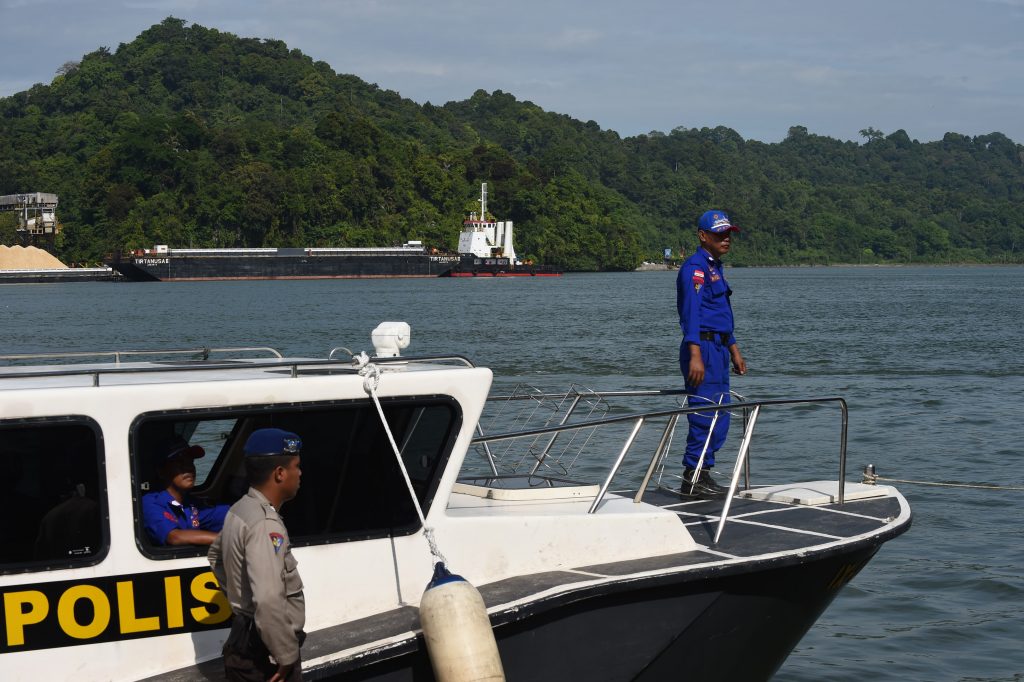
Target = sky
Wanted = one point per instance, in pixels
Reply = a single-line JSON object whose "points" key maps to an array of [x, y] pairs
{"points": [[759, 67]]}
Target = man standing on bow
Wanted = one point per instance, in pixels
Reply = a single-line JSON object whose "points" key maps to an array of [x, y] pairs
{"points": [[252, 560], [708, 347]]}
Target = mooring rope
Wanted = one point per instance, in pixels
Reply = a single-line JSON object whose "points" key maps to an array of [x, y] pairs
{"points": [[371, 379], [871, 478]]}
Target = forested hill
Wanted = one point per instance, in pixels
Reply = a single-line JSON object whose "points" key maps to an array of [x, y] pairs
{"points": [[192, 137]]}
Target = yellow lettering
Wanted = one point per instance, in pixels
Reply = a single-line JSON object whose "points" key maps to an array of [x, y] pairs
{"points": [[100, 611], [18, 617], [172, 596], [127, 619], [204, 588]]}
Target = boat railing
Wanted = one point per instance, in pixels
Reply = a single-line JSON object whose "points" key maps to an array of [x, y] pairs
{"points": [[197, 353], [200, 361], [528, 407], [547, 409], [751, 410]]}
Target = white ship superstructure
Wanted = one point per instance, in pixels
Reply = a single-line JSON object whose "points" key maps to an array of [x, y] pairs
{"points": [[485, 237]]}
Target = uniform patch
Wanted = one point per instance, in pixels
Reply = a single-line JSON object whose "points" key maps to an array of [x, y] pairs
{"points": [[277, 540], [696, 287], [169, 516], [698, 274]]}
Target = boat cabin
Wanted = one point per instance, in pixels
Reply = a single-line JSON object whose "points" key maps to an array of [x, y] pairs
{"points": [[78, 567]]}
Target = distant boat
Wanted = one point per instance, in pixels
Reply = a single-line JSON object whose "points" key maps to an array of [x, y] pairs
{"points": [[32, 265], [164, 264], [485, 250], [489, 243], [51, 275]]}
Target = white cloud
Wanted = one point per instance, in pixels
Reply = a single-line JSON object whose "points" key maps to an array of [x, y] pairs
{"points": [[571, 38], [413, 68], [817, 75], [171, 6]]}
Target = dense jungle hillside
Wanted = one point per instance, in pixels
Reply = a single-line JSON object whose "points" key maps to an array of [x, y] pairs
{"points": [[189, 136]]}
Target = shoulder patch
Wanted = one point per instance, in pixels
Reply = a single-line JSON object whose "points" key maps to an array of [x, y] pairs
{"points": [[169, 516], [698, 274], [277, 540]]}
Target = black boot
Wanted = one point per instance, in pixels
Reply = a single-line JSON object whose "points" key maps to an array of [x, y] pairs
{"points": [[704, 486]]}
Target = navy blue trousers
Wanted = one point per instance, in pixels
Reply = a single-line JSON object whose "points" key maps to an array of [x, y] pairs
{"points": [[715, 387]]}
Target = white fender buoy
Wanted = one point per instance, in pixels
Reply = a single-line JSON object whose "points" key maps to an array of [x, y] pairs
{"points": [[458, 632]]}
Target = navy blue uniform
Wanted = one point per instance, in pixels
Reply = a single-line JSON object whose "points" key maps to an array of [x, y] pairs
{"points": [[702, 297], [161, 514]]}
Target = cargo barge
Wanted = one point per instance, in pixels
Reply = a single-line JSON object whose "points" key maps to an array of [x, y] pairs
{"points": [[54, 275], [170, 265], [485, 250]]}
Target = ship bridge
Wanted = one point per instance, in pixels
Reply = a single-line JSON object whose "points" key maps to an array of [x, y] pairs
{"points": [[484, 237]]}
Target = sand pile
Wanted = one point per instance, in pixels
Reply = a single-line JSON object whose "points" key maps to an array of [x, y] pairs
{"points": [[27, 258]]}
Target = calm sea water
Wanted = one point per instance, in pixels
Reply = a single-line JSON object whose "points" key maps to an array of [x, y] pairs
{"points": [[928, 359]]}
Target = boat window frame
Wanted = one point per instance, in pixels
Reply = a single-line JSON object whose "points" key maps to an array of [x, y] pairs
{"points": [[102, 495], [163, 553]]}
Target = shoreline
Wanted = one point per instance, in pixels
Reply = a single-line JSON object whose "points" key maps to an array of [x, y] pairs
{"points": [[662, 268]]}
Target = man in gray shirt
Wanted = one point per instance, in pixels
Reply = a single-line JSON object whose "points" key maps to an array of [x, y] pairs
{"points": [[252, 559]]}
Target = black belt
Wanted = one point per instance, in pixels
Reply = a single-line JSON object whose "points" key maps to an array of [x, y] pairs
{"points": [[723, 337], [244, 639]]}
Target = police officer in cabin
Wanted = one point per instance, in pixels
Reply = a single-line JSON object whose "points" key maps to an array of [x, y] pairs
{"points": [[252, 560], [708, 347], [171, 516]]}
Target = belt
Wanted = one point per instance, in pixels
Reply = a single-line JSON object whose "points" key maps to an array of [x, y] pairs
{"points": [[244, 639], [722, 337]]}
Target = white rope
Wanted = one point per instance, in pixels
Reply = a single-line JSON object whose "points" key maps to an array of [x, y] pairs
{"points": [[945, 485], [371, 380]]}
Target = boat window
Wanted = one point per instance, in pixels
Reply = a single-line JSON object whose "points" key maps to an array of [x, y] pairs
{"points": [[210, 435], [352, 487], [55, 491]]}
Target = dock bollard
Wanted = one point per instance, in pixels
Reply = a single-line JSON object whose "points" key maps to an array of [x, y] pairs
{"points": [[457, 631], [870, 477]]}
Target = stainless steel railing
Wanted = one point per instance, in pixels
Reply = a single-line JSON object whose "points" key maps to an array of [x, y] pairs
{"points": [[638, 421], [200, 362], [198, 353]]}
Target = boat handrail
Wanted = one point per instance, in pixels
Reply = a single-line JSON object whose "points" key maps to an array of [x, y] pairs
{"points": [[672, 415], [204, 353], [293, 365], [588, 397], [603, 394], [330, 356]]}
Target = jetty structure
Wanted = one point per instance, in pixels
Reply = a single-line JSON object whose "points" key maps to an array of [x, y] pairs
{"points": [[32, 261], [37, 215]]}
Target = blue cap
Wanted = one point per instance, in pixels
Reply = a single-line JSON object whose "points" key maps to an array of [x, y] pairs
{"points": [[716, 221], [268, 442], [176, 446]]}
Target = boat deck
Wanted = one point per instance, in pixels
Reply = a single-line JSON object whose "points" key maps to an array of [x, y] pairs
{"points": [[757, 533]]}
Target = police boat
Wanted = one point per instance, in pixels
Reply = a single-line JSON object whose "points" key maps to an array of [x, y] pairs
{"points": [[564, 510]]}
